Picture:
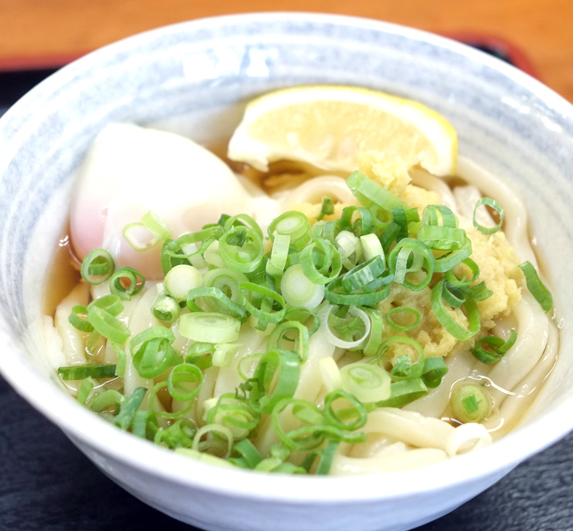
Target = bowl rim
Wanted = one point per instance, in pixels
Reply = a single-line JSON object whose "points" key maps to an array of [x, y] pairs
{"points": [[88, 429]]}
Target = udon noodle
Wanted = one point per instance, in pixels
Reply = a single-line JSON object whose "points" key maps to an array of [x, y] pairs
{"points": [[219, 415]]}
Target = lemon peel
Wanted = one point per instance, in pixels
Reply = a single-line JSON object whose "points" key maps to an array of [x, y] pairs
{"points": [[331, 126]]}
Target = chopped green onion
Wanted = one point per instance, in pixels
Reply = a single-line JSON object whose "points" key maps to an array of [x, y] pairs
{"points": [[376, 329], [327, 208], [455, 297], [144, 424], [439, 216], [200, 354], [447, 321], [155, 332], [403, 309], [349, 247], [223, 354], [121, 359], [389, 235], [97, 266], [347, 418], [184, 382], [299, 291], [323, 266], [209, 327], [293, 224], [234, 414], [152, 351], [154, 357], [156, 225], [455, 281], [496, 348], [179, 435], [227, 281], [248, 452], [126, 275], [108, 400], [411, 256], [180, 279], [453, 258], [361, 225], [479, 292], [338, 340], [165, 309], [85, 389], [326, 458], [139, 237], [215, 298], [247, 365], [107, 325], [77, 319], [184, 248], [442, 238], [129, 408], [368, 383], [435, 369], [309, 436], [471, 403], [90, 370], [294, 334], [279, 254], [265, 393], [536, 287], [404, 368], [335, 295], [212, 256], [109, 303], [214, 444], [279, 454], [381, 217], [402, 217], [404, 392], [371, 246], [155, 404], [364, 274], [302, 315], [495, 206], [243, 220], [369, 192], [146, 234], [265, 294]]}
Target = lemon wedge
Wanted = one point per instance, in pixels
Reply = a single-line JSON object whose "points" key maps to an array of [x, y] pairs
{"points": [[329, 126]]}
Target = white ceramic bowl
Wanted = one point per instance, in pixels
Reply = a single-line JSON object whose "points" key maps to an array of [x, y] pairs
{"points": [[191, 78]]}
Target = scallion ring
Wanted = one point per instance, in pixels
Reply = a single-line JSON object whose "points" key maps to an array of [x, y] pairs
{"points": [[126, 282], [282, 365], [536, 287], [209, 327], [417, 318], [488, 201], [490, 349], [368, 383], [345, 418], [97, 266], [447, 321]]}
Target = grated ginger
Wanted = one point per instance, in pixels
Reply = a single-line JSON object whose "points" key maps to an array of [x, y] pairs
{"points": [[494, 255]]}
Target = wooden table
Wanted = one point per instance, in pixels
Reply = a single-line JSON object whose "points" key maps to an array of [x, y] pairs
{"points": [[33, 31]]}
